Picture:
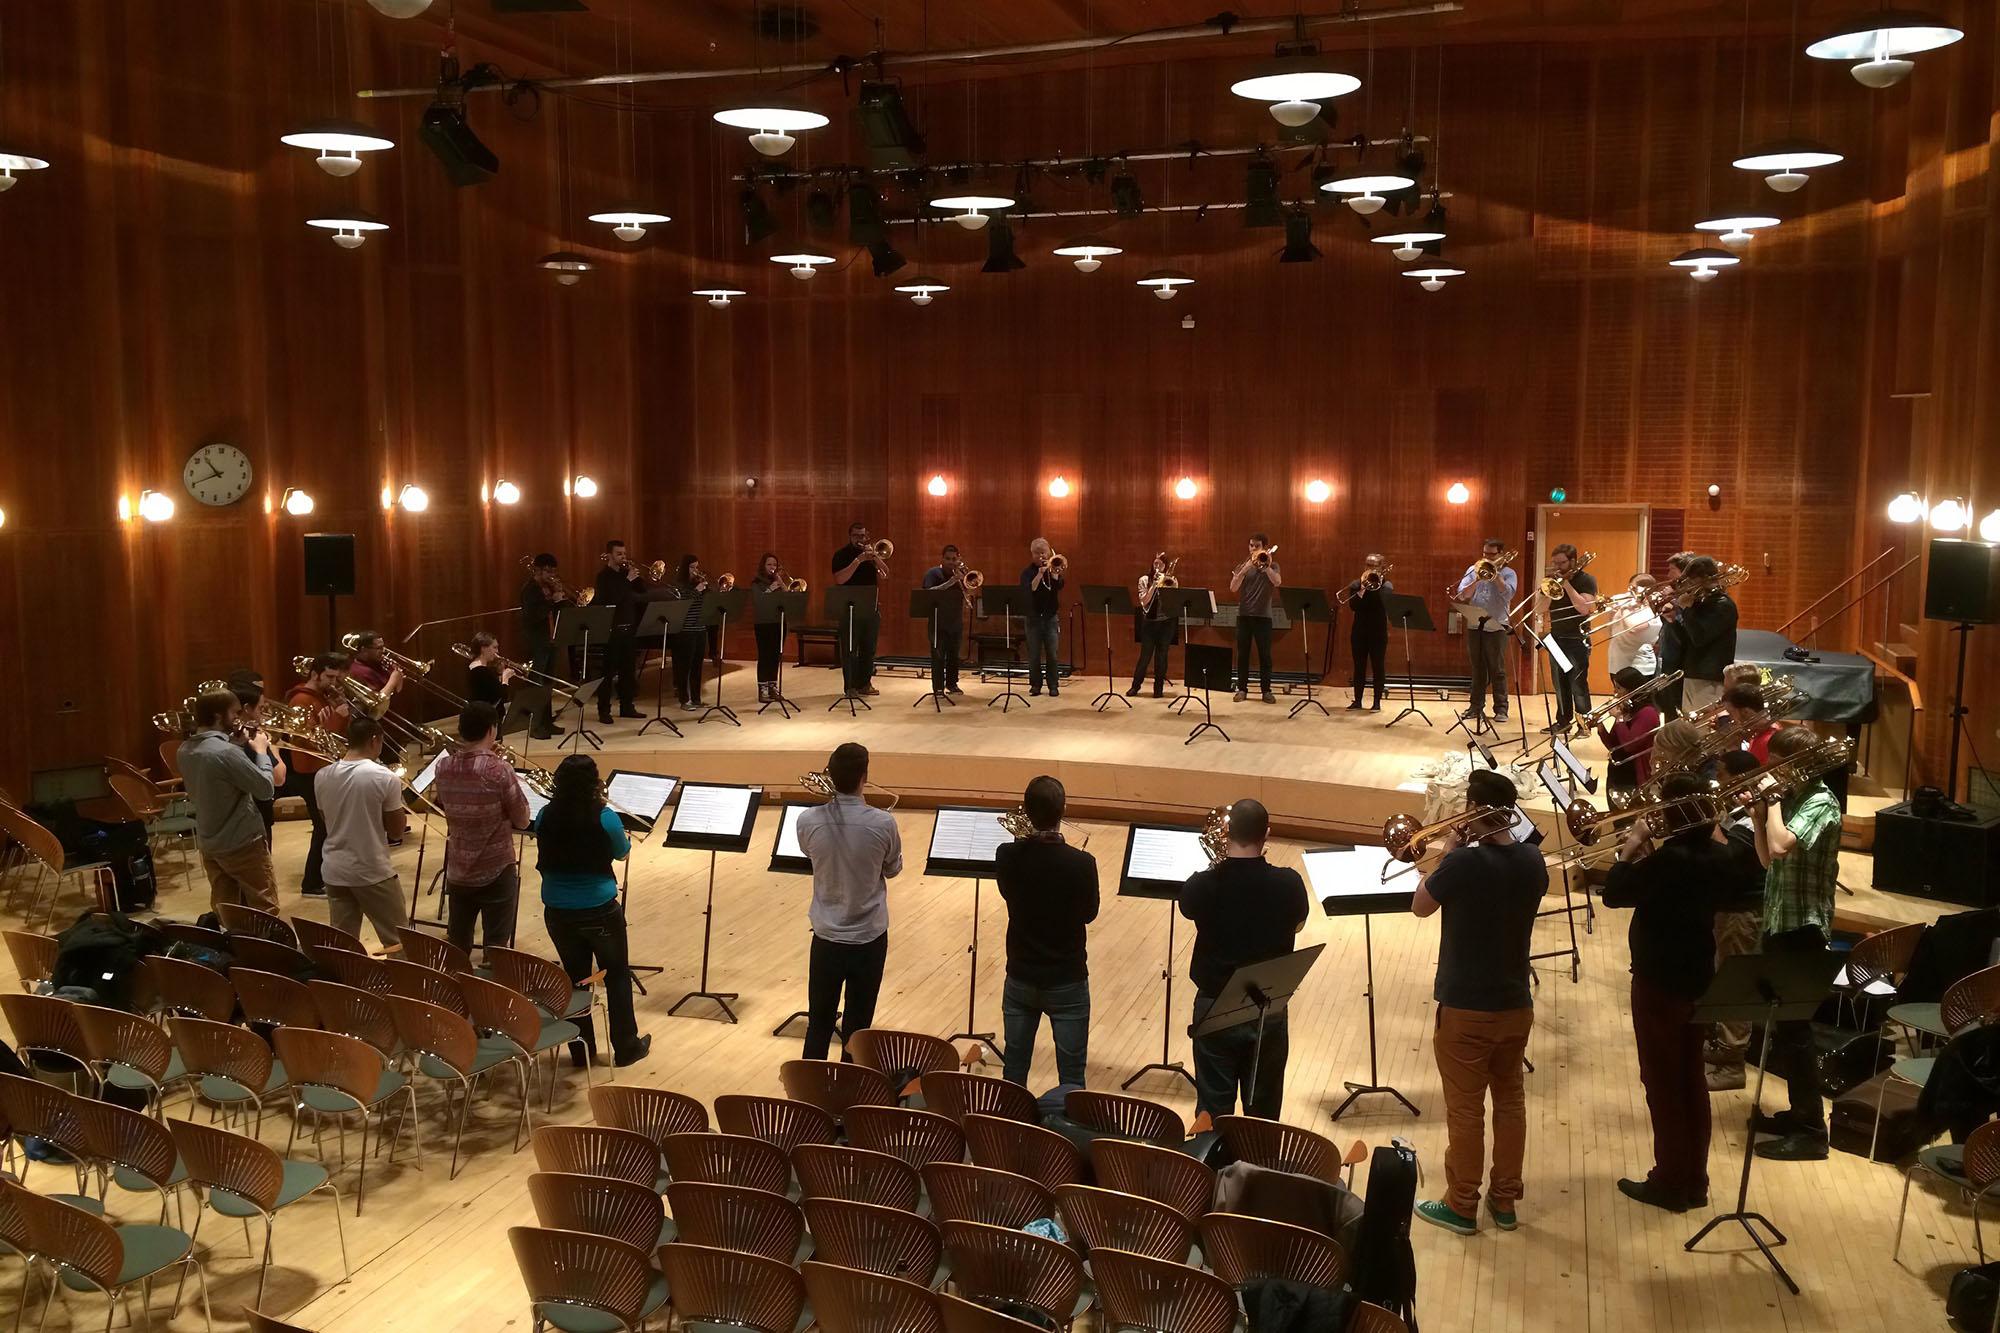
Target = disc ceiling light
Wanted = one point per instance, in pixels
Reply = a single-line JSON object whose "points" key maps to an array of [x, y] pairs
{"points": [[350, 228], [1409, 244], [1704, 262], [922, 290], [1880, 43], [628, 222], [1363, 189], [1295, 83], [567, 265], [12, 163], [720, 297], [400, 9], [1736, 230], [1787, 161], [803, 265], [339, 144], [1432, 279], [772, 126], [1166, 282], [1087, 253], [971, 211]]}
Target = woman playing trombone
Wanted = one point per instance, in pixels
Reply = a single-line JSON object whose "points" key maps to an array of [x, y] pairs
{"points": [[1156, 628]]}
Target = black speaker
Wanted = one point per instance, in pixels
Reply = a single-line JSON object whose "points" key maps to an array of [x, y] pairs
{"points": [[1952, 860], [1964, 582], [329, 564]]}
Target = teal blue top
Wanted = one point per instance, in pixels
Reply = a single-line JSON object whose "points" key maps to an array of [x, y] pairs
{"points": [[587, 888]]}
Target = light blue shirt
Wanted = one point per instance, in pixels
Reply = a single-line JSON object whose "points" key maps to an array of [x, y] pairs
{"points": [[1493, 596], [855, 851]]}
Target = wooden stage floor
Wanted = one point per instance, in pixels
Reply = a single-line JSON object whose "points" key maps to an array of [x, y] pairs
{"points": [[432, 1254]]}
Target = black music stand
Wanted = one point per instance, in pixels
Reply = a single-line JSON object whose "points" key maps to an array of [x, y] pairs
{"points": [[928, 604], [1410, 612], [1012, 600], [1107, 601], [668, 615], [716, 608], [576, 626], [1189, 606], [1207, 663], [776, 607], [691, 828], [1257, 992], [1348, 882], [1768, 987], [845, 605], [788, 858], [524, 704], [1305, 607], [1166, 856], [1560, 794], [970, 836], [639, 812]]}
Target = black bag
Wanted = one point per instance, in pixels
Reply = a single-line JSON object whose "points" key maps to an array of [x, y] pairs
{"points": [[102, 954], [1385, 1265], [1852, 1122], [1846, 1058], [131, 860], [1969, 1304]]}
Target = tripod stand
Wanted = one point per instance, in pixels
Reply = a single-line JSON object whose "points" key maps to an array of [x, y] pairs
{"points": [[1012, 601], [669, 617], [1164, 1064], [1303, 606], [776, 606], [972, 987], [702, 992], [1356, 1091], [1411, 613], [848, 604]]}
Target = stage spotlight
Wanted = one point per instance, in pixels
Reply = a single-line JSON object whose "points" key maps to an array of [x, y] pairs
{"points": [[886, 258], [1125, 194], [892, 138], [1299, 247], [446, 132], [758, 224], [1000, 256], [1260, 194], [864, 215]]}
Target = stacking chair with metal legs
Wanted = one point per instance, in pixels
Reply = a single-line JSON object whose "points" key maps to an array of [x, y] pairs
{"points": [[135, 1152], [1165, 1175], [595, 1150], [1042, 1155], [46, 1034], [916, 1137], [847, 1300], [450, 1053], [337, 1075], [834, 1171], [959, 1192], [957, 1096], [50, 858], [246, 1179], [1973, 1166], [578, 1282], [88, 1253], [735, 1290], [601, 1206], [1126, 1117], [555, 996], [131, 1053], [34, 1109], [1155, 1295], [776, 1120], [993, 1264], [34, 956], [1241, 1250], [1278, 1146], [903, 1056], [727, 1159], [654, 1112], [499, 1011], [881, 1240], [729, 1217], [1968, 1002], [243, 919], [1108, 1220], [231, 1066]]}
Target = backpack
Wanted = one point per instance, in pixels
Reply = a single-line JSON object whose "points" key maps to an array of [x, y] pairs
{"points": [[1969, 1304], [101, 953], [1385, 1265]]}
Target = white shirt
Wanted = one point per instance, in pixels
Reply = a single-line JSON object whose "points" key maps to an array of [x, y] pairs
{"points": [[1632, 643], [353, 796], [855, 850]]}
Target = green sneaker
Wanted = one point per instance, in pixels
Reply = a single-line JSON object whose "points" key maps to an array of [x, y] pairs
{"points": [[1439, 1214], [1505, 1220]]}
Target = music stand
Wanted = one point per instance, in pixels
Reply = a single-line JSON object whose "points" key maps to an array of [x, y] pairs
{"points": [[668, 615], [524, 705], [1186, 605], [844, 606], [1158, 861], [788, 858], [777, 606], [1207, 663], [1305, 607], [1012, 600], [1259, 992], [964, 840], [716, 608], [1410, 612], [714, 817], [637, 799], [1768, 987], [419, 788], [927, 604], [1105, 601], [1348, 882], [576, 626]]}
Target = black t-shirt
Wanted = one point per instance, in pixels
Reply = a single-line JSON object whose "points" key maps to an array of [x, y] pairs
{"points": [[1253, 594], [482, 685], [951, 615], [1155, 607], [866, 575], [1490, 894], [1370, 613], [623, 595], [1676, 892], [1244, 911], [1565, 621], [1045, 600], [1051, 893]]}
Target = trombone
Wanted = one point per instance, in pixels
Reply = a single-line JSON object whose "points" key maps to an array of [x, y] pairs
{"points": [[1411, 841], [1483, 571], [1585, 723], [1551, 587], [1058, 566], [554, 684], [1167, 579], [563, 592], [819, 784], [1019, 826], [1370, 581], [1781, 697], [414, 670], [970, 581], [1263, 558]]}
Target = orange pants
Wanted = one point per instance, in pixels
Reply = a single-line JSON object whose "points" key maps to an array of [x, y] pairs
{"points": [[1478, 1051]]}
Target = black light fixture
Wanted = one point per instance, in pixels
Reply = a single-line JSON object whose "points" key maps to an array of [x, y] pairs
{"points": [[1000, 256], [1260, 194], [820, 211], [864, 214], [885, 257], [758, 224], [1299, 247], [892, 138], [1125, 194]]}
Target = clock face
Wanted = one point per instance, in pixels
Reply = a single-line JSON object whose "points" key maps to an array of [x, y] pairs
{"points": [[217, 474]]}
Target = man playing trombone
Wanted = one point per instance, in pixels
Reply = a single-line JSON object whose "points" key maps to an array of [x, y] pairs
{"points": [[1043, 578], [1571, 594], [321, 694], [1369, 636], [1487, 586], [949, 630], [620, 586], [225, 783], [1255, 582], [542, 596], [859, 565]]}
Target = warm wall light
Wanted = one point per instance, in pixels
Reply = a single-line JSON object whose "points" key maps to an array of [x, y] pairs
{"points": [[1185, 489], [414, 498], [1059, 487], [297, 502], [1951, 515], [583, 487], [1989, 527], [937, 486], [1714, 491], [3, 518], [1318, 491], [1458, 494], [506, 492], [124, 508], [155, 506], [1906, 508]]}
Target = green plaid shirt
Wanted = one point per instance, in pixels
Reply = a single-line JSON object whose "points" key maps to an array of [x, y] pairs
{"points": [[1799, 886]]}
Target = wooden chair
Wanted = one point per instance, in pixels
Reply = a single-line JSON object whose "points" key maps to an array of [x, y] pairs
{"points": [[990, 1263], [956, 1096], [727, 1159], [243, 919], [1971, 1001], [135, 1151], [747, 1291], [501, 1012], [130, 1052], [269, 956], [868, 1236], [654, 1112], [776, 1120], [916, 1137], [1280, 1147], [1127, 1117], [46, 1034], [1371, 1318], [34, 1109], [1135, 1291], [545, 982], [905, 1057], [46, 849], [1107, 1220], [577, 1280], [200, 937], [432, 951], [191, 989], [271, 999], [337, 1075], [961, 1193], [246, 1179], [230, 1066], [963, 1316], [834, 1171], [88, 1253], [834, 1086], [600, 1206], [730, 1217], [1040, 1154], [1973, 1166], [425, 985], [1164, 1175], [350, 968], [167, 818], [847, 1300], [1240, 1250], [449, 1052], [263, 1323], [34, 956], [593, 1150], [319, 934], [358, 1013]]}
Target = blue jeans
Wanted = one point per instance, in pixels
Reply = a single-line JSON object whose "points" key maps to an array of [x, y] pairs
{"points": [[1222, 1063], [1043, 634], [1068, 1008]]}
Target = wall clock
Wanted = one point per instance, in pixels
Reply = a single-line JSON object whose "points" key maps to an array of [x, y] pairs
{"points": [[217, 474]]}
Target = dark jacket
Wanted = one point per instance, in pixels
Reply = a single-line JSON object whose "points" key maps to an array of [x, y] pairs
{"points": [[1051, 893], [1707, 633], [1677, 890]]}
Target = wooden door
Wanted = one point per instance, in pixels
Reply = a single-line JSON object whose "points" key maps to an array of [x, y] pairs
{"points": [[1617, 533]]}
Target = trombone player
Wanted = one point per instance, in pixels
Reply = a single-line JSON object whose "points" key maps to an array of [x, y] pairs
{"points": [[1043, 579], [1570, 592], [1254, 582], [1369, 635], [1156, 629], [1488, 587], [859, 565], [321, 694], [621, 586], [948, 623], [542, 597], [226, 782]]}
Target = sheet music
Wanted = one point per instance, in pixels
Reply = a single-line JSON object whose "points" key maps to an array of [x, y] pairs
{"points": [[1553, 784], [1524, 829], [968, 835], [1167, 855], [716, 811], [422, 782], [536, 801], [1556, 654], [788, 833], [1573, 764], [1346, 872], [641, 794]]}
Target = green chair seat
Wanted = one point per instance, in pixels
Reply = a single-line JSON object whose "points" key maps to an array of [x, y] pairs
{"points": [[128, 1179], [577, 1319], [805, 1322], [556, 1032], [579, 1003], [1919, 1018], [1944, 1159], [670, 1231], [148, 1249], [217, 1088], [332, 1101], [130, 1079], [83, 1201], [301, 1179], [490, 1052], [1916, 1070]]}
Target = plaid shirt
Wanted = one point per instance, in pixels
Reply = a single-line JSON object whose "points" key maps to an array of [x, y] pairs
{"points": [[481, 801], [1799, 886]]}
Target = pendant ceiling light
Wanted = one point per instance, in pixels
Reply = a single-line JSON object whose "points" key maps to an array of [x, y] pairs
{"points": [[1432, 279], [971, 211], [12, 163], [400, 9], [1087, 253], [921, 291], [1704, 262], [719, 296], [1295, 82], [772, 126], [339, 143], [567, 265], [628, 222], [1362, 191], [1881, 42], [1787, 161], [802, 265], [1165, 282], [1736, 230], [349, 227], [1409, 244]]}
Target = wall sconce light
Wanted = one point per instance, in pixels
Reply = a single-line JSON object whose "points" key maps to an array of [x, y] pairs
{"points": [[414, 498], [155, 506], [1317, 491], [506, 492], [1457, 493], [1059, 487], [937, 484], [582, 487], [1185, 489], [1906, 508], [297, 503]]}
